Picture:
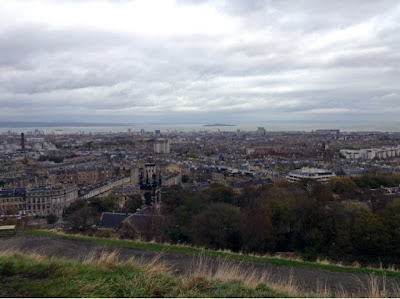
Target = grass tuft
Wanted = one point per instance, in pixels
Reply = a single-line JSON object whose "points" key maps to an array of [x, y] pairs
{"points": [[227, 271]]}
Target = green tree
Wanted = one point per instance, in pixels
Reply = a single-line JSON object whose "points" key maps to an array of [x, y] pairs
{"points": [[307, 234], [105, 204], [218, 227], [367, 234], [344, 187], [321, 192], [258, 234], [51, 219], [390, 217], [83, 219], [281, 205], [180, 206], [75, 206], [221, 193], [133, 203]]}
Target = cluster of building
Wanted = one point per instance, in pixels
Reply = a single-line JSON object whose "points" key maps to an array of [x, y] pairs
{"points": [[83, 175], [372, 153], [130, 163]]}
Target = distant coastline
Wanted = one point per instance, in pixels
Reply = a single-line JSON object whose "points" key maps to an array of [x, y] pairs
{"points": [[22, 124], [219, 125], [276, 126]]}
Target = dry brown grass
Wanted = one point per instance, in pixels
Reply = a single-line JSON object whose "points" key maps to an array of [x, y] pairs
{"points": [[341, 292], [324, 261], [392, 268], [111, 259], [226, 270], [322, 289], [156, 266], [196, 284], [375, 287], [33, 254], [108, 259], [289, 287], [279, 255], [205, 269], [287, 256]]}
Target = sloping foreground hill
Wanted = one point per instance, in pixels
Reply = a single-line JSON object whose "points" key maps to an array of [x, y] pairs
{"points": [[253, 274], [32, 275]]}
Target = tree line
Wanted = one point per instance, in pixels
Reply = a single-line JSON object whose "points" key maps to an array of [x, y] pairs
{"points": [[345, 219]]}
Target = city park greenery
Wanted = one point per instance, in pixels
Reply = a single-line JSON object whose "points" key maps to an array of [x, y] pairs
{"points": [[346, 219]]}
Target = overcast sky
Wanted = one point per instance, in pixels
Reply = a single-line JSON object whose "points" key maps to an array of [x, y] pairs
{"points": [[189, 61]]}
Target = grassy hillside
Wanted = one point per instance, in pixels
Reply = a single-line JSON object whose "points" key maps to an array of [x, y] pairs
{"points": [[36, 276], [214, 253]]}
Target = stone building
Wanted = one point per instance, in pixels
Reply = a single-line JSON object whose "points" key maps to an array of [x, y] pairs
{"points": [[12, 201], [45, 200], [37, 201], [150, 185], [126, 192], [82, 175]]}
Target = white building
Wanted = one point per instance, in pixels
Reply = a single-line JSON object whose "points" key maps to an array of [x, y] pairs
{"points": [[161, 146], [319, 175], [371, 153]]}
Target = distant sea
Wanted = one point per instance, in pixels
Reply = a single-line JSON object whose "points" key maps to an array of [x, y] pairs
{"points": [[86, 128]]}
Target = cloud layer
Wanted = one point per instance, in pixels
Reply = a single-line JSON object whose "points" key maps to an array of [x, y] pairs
{"points": [[200, 61]]}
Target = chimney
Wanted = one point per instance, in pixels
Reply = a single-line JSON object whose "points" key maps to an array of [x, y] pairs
{"points": [[22, 141]]}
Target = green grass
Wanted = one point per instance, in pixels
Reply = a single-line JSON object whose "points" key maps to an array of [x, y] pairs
{"points": [[213, 253], [34, 276], [6, 233]]}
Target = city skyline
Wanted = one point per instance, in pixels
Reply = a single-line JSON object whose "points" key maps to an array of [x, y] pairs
{"points": [[200, 62]]}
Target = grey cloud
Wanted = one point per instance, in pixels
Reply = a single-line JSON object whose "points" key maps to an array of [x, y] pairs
{"points": [[268, 68], [21, 43]]}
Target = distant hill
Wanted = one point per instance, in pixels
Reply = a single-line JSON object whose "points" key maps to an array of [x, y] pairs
{"points": [[219, 125]]}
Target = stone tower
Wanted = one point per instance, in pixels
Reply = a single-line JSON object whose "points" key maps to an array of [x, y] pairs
{"points": [[150, 185]]}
